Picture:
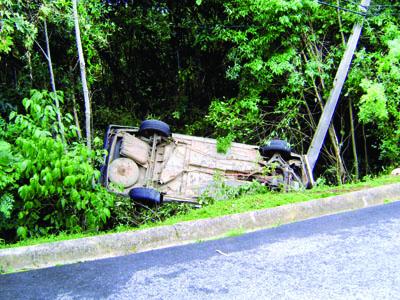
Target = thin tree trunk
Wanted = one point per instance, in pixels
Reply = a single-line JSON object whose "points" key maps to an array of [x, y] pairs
{"points": [[16, 79], [365, 151], [353, 141], [76, 118], [352, 131], [74, 109], [53, 83], [29, 57], [340, 23], [340, 168], [83, 75]]}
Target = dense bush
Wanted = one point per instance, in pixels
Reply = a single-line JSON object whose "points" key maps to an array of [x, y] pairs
{"points": [[126, 214], [47, 185], [8, 178]]}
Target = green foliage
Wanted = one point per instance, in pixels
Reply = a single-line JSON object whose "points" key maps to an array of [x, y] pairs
{"points": [[105, 115], [220, 190], [15, 28], [56, 189], [284, 55], [379, 75], [373, 105], [274, 58], [127, 214], [224, 143], [8, 177], [95, 34], [235, 118]]}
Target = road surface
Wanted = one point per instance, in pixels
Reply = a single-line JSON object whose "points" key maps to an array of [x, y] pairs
{"points": [[354, 255]]}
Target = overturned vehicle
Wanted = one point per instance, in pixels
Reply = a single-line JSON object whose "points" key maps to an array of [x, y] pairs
{"points": [[151, 165]]}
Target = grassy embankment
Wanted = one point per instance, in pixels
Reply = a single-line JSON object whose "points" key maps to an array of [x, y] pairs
{"points": [[239, 205]]}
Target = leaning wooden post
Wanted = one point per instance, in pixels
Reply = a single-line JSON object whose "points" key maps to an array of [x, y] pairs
{"points": [[329, 108]]}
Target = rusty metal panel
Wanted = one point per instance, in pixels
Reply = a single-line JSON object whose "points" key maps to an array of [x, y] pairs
{"points": [[191, 163]]}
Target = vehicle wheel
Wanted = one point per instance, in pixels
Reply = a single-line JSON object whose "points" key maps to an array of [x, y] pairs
{"points": [[147, 196], [149, 127], [123, 171], [276, 146]]}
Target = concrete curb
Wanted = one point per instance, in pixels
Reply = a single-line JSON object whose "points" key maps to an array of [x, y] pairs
{"points": [[110, 245]]}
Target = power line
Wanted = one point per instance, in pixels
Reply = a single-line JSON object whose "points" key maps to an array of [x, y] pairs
{"points": [[385, 5], [342, 8], [352, 2], [375, 9]]}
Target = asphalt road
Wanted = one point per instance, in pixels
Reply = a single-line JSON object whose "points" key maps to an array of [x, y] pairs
{"points": [[354, 255]]}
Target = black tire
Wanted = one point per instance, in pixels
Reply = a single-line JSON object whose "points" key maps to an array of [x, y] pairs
{"points": [[149, 127], [276, 146], [147, 196]]}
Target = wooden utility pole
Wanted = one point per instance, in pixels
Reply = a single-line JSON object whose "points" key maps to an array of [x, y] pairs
{"points": [[83, 75], [329, 108]]}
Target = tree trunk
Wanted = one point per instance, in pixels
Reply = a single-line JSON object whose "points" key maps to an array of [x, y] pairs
{"points": [[365, 151], [53, 83], [29, 58], [83, 75], [76, 118], [340, 24], [353, 141], [340, 168], [74, 109]]}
